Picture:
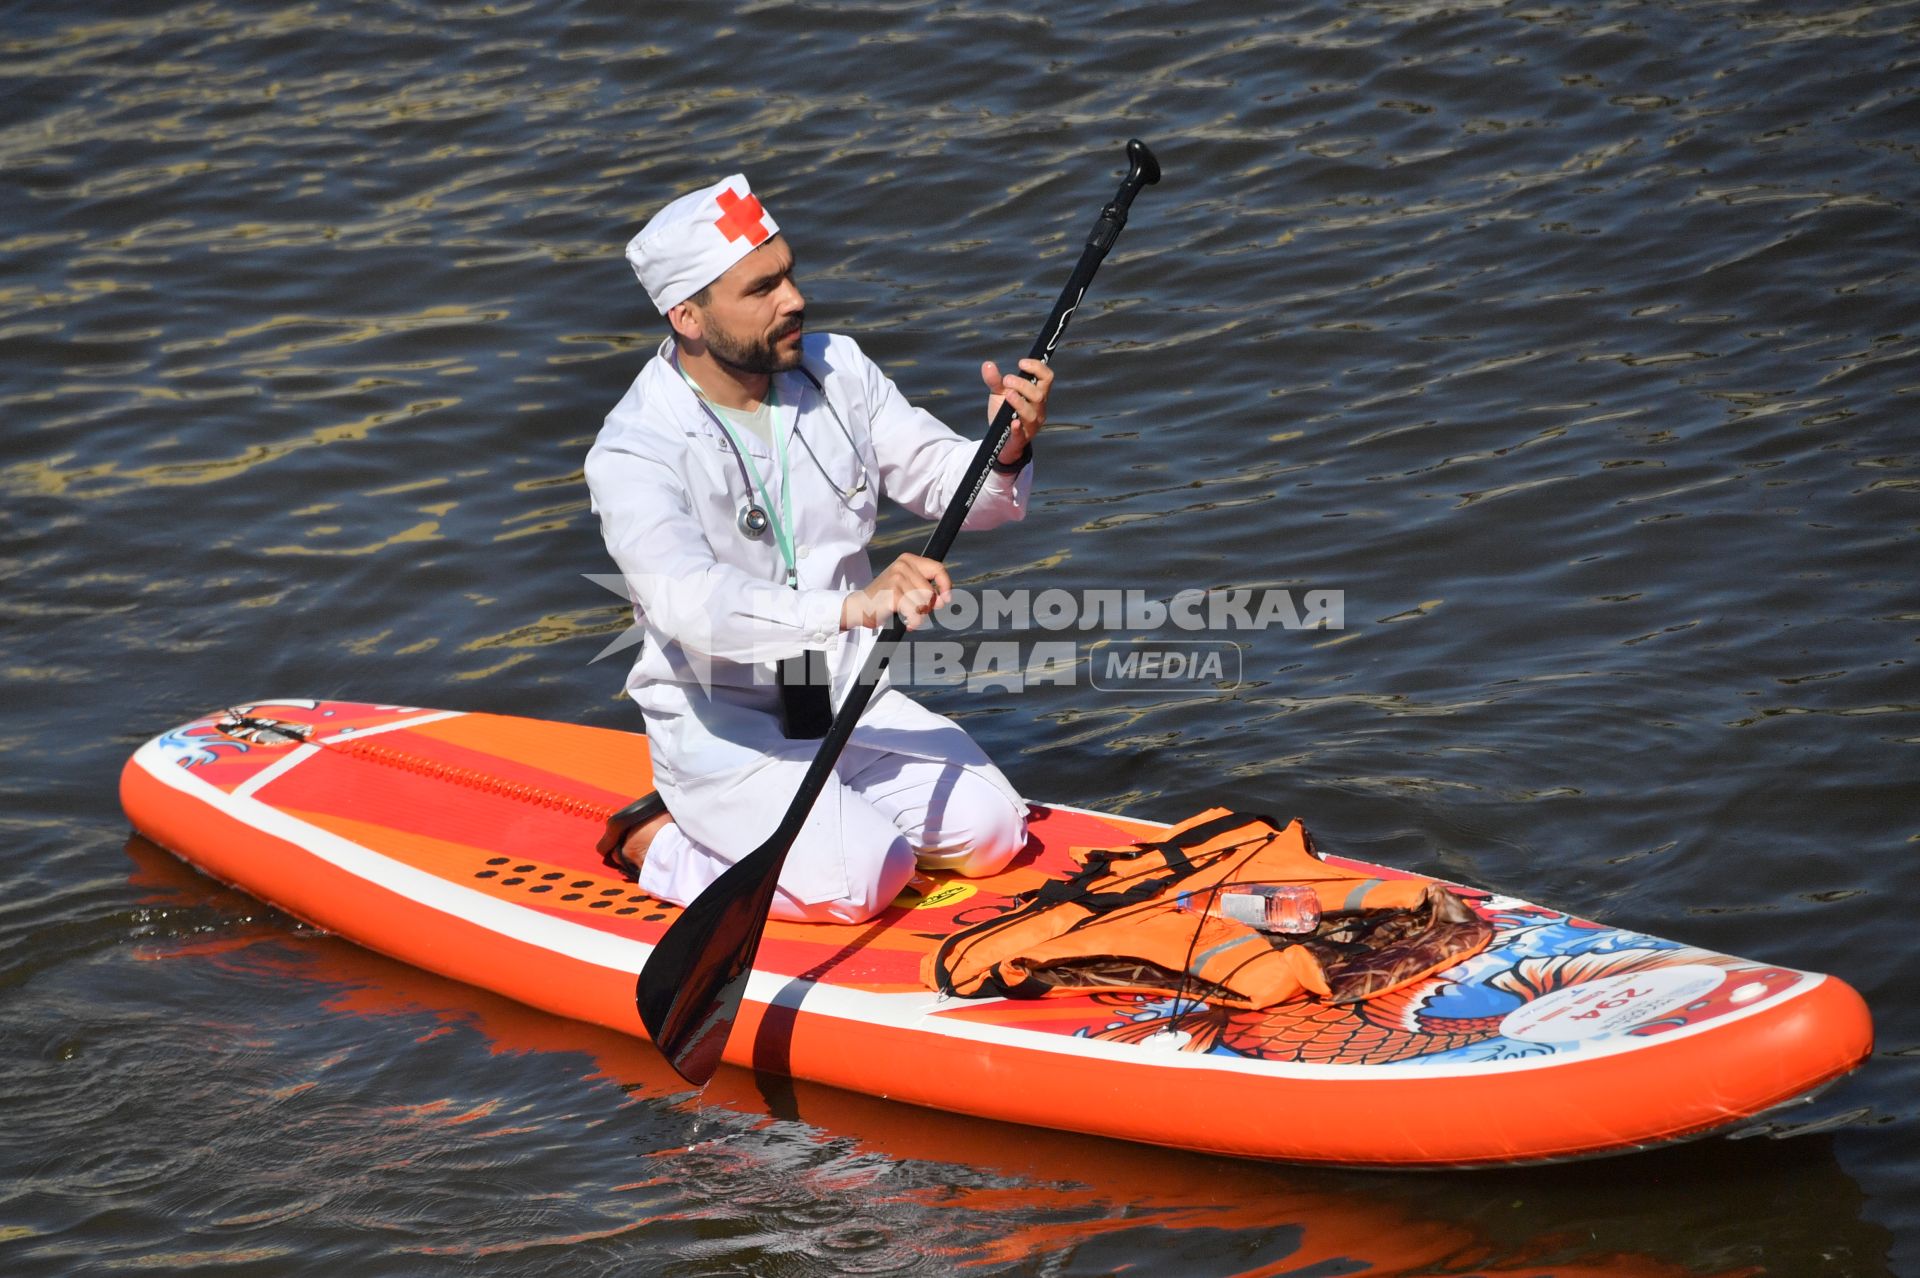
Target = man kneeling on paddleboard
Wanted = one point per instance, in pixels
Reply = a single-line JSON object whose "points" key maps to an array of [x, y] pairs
{"points": [[737, 483]]}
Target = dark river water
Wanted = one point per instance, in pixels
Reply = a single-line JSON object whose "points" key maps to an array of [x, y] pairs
{"points": [[1574, 342]]}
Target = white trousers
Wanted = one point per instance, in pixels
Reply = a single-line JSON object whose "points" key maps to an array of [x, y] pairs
{"points": [[880, 813]]}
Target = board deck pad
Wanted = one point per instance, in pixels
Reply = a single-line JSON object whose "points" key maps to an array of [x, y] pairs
{"points": [[464, 843]]}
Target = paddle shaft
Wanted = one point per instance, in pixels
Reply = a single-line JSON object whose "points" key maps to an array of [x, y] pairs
{"points": [[1113, 218], [690, 989]]}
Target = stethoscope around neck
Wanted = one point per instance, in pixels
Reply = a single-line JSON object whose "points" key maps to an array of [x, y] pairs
{"points": [[754, 522]]}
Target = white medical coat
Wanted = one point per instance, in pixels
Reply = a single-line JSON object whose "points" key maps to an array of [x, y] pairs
{"points": [[713, 603]]}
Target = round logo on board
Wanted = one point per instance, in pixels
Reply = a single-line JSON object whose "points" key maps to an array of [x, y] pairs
{"points": [[1612, 1005]]}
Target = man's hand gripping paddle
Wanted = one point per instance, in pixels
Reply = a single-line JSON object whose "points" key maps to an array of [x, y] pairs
{"points": [[689, 991]]}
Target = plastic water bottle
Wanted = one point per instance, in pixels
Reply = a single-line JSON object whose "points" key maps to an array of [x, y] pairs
{"points": [[1289, 908]]}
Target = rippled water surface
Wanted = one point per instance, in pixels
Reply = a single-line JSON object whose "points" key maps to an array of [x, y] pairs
{"points": [[1574, 342]]}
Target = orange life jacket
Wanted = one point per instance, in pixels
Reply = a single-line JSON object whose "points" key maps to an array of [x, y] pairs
{"points": [[1118, 924]]}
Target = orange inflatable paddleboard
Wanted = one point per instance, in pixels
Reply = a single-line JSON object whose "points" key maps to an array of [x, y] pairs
{"points": [[464, 844]]}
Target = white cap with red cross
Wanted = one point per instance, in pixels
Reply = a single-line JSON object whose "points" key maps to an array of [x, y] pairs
{"points": [[690, 243]]}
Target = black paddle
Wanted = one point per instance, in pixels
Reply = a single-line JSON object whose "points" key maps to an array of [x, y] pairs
{"points": [[689, 991]]}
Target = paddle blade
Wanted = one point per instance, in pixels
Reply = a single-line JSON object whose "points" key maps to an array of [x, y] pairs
{"points": [[689, 991]]}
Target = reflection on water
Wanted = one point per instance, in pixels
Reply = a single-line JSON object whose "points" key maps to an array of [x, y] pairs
{"points": [[1574, 343]]}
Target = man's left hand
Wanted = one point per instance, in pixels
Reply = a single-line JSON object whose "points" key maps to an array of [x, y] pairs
{"points": [[1028, 396]]}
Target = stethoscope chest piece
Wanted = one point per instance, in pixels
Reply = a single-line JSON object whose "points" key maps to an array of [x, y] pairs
{"points": [[753, 521]]}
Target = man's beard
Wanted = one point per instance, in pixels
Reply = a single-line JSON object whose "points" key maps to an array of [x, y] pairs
{"points": [[750, 356]]}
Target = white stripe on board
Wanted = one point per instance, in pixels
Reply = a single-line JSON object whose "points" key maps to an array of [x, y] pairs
{"points": [[277, 769], [354, 734]]}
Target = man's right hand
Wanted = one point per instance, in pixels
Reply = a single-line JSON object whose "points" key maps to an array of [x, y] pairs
{"points": [[911, 585]]}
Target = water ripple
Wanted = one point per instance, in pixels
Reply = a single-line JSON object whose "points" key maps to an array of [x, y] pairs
{"points": [[1574, 342]]}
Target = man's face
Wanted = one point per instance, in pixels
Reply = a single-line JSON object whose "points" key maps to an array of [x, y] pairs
{"points": [[753, 316]]}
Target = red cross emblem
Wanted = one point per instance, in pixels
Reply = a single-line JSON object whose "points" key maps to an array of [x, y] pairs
{"points": [[740, 217]]}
